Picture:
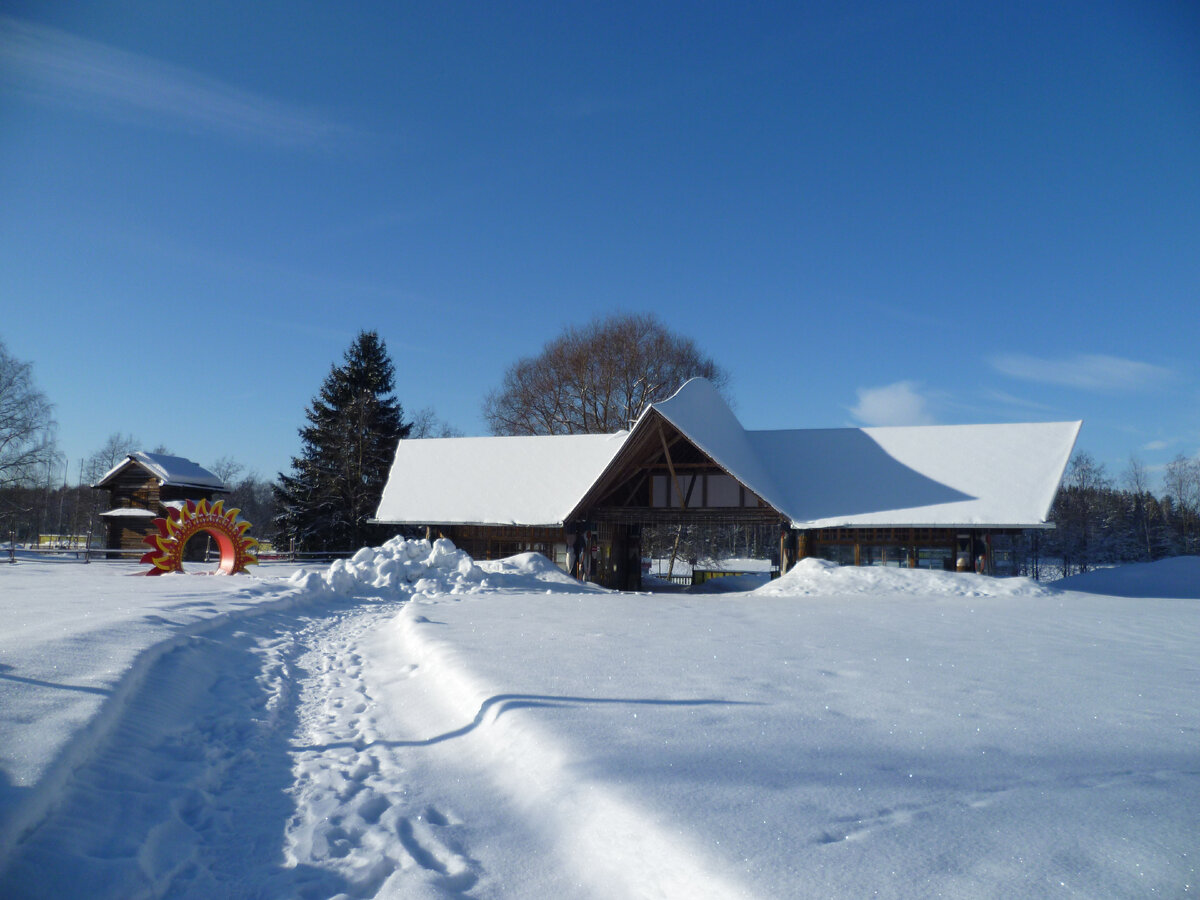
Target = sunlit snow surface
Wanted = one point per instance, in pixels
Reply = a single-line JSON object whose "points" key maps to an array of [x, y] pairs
{"points": [[410, 724]]}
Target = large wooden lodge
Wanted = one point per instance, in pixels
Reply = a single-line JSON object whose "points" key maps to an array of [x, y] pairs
{"points": [[946, 497]]}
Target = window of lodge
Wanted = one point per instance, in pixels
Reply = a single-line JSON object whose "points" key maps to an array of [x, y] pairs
{"points": [[883, 555], [842, 554], [935, 558]]}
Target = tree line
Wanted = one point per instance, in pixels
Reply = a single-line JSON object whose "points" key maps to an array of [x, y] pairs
{"points": [[597, 378], [1100, 521]]}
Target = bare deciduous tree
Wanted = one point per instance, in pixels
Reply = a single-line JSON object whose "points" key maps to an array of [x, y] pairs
{"points": [[26, 424], [1181, 480], [426, 424], [596, 379], [1137, 483], [227, 469], [116, 447]]}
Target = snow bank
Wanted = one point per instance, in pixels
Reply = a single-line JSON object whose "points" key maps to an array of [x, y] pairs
{"points": [[403, 568], [533, 572], [821, 577], [399, 567], [1176, 578]]}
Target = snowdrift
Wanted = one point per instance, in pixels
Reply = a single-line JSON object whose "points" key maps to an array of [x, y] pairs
{"points": [[1176, 578], [819, 577], [403, 567], [533, 572], [400, 566]]}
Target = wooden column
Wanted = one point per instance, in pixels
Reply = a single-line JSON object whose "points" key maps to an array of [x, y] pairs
{"points": [[790, 542]]}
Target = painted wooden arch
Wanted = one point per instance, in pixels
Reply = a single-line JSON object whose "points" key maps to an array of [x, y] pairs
{"points": [[237, 550]]}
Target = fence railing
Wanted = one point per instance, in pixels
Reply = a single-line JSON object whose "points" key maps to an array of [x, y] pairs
{"points": [[88, 554], [83, 554]]}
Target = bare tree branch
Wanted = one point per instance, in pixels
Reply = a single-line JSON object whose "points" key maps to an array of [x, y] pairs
{"points": [[26, 424]]}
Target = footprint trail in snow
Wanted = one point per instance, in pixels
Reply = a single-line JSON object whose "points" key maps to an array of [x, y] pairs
{"points": [[247, 765], [356, 812]]}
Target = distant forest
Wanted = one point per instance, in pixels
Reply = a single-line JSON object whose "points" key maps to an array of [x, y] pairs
{"points": [[1098, 523]]}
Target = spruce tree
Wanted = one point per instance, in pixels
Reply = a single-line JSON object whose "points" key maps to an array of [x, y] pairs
{"points": [[347, 449]]}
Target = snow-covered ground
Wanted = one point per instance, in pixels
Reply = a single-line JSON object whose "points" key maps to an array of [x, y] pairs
{"points": [[409, 724]]}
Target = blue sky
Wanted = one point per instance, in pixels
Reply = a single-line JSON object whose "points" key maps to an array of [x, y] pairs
{"points": [[868, 213]]}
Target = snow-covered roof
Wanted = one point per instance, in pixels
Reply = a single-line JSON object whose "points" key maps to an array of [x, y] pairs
{"points": [[175, 471], [921, 476], [493, 480], [924, 476], [703, 416], [129, 512]]}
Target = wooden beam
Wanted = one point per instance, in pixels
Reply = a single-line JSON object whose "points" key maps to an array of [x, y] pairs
{"points": [[691, 487], [636, 485], [671, 466]]}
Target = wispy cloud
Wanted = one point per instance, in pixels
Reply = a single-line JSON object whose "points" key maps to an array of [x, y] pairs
{"points": [[1092, 372], [52, 66], [894, 404], [1011, 400]]}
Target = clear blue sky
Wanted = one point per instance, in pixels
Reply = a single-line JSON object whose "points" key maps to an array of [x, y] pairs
{"points": [[869, 213]]}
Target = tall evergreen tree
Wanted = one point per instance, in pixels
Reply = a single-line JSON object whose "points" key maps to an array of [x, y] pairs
{"points": [[347, 449]]}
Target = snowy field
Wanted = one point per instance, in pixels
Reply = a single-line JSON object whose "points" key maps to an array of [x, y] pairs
{"points": [[410, 724]]}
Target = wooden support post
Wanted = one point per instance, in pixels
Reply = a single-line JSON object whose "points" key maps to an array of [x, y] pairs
{"points": [[791, 544]]}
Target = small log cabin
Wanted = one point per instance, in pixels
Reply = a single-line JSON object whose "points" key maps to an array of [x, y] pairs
{"points": [[142, 487], [939, 496]]}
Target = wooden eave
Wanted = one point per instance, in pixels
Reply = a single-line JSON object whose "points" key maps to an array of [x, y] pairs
{"points": [[122, 472]]}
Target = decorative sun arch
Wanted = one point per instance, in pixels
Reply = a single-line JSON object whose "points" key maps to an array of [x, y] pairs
{"points": [[237, 550]]}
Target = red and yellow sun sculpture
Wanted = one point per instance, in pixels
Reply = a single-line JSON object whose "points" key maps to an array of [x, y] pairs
{"points": [[237, 550]]}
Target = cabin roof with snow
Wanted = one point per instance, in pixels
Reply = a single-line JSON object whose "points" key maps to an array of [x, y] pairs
{"points": [[493, 480], [920, 476], [170, 471]]}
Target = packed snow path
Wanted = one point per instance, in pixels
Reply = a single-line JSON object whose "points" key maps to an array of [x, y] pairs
{"points": [[199, 780]]}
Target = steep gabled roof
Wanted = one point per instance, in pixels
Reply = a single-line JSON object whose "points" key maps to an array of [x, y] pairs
{"points": [[173, 471], [704, 418], [922, 476]]}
